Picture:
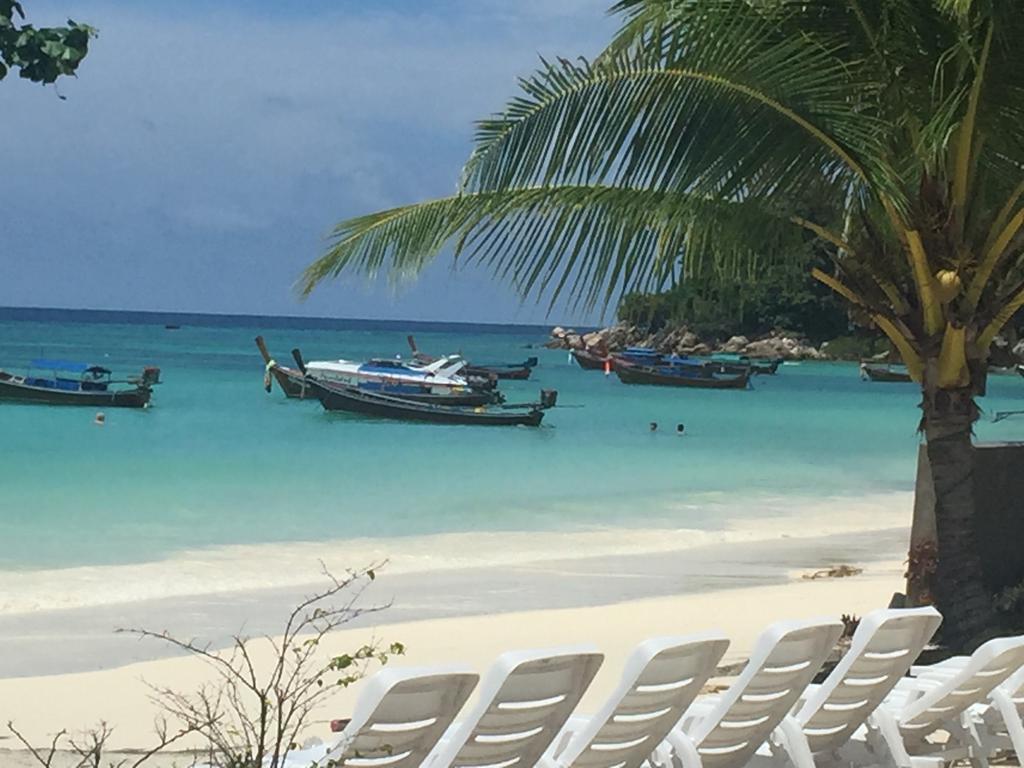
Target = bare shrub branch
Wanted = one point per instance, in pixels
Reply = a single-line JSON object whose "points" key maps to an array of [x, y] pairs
{"points": [[251, 717]]}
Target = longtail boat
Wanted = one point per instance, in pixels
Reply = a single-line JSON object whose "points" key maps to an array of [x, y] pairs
{"points": [[883, 373], [515, 371], [335, 396], [719, 362], [290, 380], [722, 362], [665, 376], [590, 361], [70, 383]]}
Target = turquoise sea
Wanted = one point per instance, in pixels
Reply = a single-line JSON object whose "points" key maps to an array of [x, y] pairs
{"points": [[218, 462]]}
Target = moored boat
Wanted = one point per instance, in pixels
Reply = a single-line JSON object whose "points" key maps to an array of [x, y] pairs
{"points": [[336, 396], [514, 371], [71, 383], [883, 373], [666, 376], [723, 362], [590, 361], [719, 362], [376, 376], [339, 397], [290, 380]]}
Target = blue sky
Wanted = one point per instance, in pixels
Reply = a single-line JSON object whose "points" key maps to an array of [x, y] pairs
{"points": [[207, 148]]}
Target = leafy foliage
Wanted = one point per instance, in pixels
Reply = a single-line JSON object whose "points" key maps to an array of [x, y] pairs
{"points": [[781, 297], [40, 54]]}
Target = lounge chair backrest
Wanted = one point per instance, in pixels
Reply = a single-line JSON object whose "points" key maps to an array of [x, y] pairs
{"points": [[881, 651], [785, 659], [524, 701], [989, 666], [400, 716], [661, 678]]}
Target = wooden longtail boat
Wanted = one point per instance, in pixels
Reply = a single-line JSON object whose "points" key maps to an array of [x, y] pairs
{"points": [[78, 384], [589, 361], [631, 373], [340, 397], [726, 363], [884, 374], [717, 363], [290, 380], [511, 371]]}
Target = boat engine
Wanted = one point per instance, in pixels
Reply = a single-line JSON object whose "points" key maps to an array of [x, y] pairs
{"points": [[548, 398], [150, 376]]}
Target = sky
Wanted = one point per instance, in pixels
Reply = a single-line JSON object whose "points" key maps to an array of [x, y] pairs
{"points": [[207, 148]]}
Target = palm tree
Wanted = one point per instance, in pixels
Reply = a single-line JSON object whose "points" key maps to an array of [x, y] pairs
{"points": [[691, 145]]}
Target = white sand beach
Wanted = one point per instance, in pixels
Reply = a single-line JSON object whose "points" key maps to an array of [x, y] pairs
{"points": [[773, 588]]}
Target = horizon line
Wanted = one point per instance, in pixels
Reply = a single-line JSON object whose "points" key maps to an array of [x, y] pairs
{"points": [[246, 315]]}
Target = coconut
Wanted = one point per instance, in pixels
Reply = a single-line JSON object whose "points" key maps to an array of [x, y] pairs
{"points": [[949, 284]]}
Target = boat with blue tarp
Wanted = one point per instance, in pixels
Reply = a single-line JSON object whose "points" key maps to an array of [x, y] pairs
{"points": [[65, 382]]}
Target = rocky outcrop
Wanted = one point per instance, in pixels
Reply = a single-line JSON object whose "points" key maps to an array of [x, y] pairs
{"points": [[682, 341]]}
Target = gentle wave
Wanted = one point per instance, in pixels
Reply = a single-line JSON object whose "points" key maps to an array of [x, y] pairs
{"points": [[214, 570]]}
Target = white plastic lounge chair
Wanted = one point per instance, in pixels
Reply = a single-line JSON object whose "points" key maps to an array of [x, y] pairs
{"points": [[399, 717], [881, 651], [661, 678], [524, 701], [725, 731], [917, 708], [998, 722]]}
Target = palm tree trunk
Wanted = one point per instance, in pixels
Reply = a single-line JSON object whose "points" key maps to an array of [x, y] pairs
{"points": [[959, 590]]}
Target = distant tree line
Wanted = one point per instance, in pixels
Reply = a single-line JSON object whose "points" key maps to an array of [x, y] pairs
{"points": [[784, 296]]}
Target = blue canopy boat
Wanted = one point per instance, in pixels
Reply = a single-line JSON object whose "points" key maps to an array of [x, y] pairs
{"points": [[62, 382]]}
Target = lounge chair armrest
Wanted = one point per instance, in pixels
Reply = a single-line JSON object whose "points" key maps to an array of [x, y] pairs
{"points": [[697, 711]]}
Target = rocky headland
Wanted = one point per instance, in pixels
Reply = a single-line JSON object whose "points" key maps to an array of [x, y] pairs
{"points": [[777, 345]]}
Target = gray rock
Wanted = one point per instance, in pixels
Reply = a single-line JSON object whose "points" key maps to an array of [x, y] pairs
{"points": [[735, 344]]}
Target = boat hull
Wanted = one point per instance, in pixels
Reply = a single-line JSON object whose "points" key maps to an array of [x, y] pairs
{"points": [[510, 374], [13, 391], [588, 361], [635, 374], [351, 400], [885, 376]]}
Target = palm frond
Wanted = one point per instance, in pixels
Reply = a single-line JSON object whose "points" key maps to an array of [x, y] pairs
{"points": [[593, 242], [734, 110]]}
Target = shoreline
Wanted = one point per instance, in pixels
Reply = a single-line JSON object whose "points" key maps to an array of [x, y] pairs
{"points": [[206, 573], [48, 703], [534, 590]]}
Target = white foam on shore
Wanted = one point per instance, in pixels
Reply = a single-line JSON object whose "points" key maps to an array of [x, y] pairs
{"points": [[214, 570]]}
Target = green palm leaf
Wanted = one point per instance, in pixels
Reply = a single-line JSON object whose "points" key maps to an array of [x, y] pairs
{"points": [[543, 239]]}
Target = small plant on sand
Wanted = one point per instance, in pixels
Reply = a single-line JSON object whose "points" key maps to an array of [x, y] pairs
{"points": [[89, 749], [254, 711]]}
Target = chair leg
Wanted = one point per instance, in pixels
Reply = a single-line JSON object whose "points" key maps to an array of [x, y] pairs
{"points": [[1007, 709], [884, 736], [965, 732], [685, 750], [790, 737]]}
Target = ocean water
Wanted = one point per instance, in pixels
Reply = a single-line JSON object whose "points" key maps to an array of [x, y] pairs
{"points": [[217, 466]]}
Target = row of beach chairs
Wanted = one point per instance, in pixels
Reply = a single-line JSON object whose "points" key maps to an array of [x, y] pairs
{"points": [[867, 712]]}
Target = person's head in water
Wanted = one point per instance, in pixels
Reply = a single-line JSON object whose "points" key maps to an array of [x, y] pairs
{"points": [[100, 419], [654, 426], [680, 429]]}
